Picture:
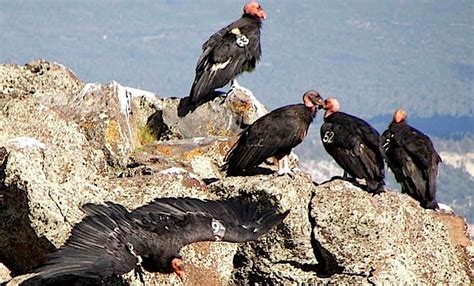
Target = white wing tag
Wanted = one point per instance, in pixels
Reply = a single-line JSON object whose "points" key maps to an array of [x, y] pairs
{"points": [[218, 229], [241, 40], [328, 137]]}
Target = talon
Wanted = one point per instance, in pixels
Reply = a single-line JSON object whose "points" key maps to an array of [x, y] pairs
{"points": [[138, 271]]}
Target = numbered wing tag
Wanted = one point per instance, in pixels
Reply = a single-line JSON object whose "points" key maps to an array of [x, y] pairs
{"points": [[328, 137], [218, 229], [241, 39]]}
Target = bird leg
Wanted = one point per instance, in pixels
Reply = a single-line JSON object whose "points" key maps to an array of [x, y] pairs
{"points": [[138, 269], [234, 84], [283, 167]]}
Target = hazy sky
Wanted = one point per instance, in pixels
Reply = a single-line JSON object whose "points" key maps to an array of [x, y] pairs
{"points": [[374, 56]]}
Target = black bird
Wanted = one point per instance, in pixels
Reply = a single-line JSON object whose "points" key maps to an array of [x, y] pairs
{"points": [[273, 135], [112, 241], [413, 160], [354, 145], [226, 54]]}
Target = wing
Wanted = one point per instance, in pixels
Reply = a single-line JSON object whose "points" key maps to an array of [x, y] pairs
{"points": [[276, 133], [419, 147], [223, 58], [96, 247], [414, 163], [191, 220], [354, 146]]}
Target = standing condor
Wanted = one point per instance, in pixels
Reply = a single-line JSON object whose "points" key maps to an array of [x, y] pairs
{"points": [[111, 241], [273, 135], [413, 160], [229, 52], [354, 145]]}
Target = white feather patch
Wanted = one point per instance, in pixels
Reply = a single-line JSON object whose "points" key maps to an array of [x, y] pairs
{"points": [[219, 66]]}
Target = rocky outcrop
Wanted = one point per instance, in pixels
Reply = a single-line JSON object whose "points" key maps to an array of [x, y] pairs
{"points": [[65, 143]]}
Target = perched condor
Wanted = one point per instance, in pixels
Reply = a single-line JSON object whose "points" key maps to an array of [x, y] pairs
{"points": [[229, 52], [354, 145], [111, 241], [413, 160], [273, 135]]}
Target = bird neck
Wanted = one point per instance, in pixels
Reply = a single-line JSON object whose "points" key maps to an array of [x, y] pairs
{"points": [[395, 124], [329, 113], [252, 19]]}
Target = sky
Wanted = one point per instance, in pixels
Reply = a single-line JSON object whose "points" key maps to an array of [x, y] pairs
{"points": [[374, 56]]}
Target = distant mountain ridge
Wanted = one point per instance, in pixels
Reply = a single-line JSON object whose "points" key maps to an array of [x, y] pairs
{"points": [[444, 127], [375, 56]]}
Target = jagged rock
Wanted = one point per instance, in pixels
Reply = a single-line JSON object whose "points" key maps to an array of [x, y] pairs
{"points": [[223, 116], [37, 78], [338, 233], [270, 259], [39, 213], [387, 239]]}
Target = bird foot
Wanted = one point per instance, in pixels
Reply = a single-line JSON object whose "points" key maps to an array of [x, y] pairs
{"points": [[223, 100], [235, 85], [139, 272], [287, 171]]}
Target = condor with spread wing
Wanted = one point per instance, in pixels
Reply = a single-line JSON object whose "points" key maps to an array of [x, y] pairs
{"points": [[273, 135], [413, 160], [112, 241], [354, 145], [229, 52]]}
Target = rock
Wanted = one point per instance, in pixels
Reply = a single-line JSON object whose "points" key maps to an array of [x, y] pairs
{"points": [[385, 239], [37, 78], [223, 116], [269, 260], [64, 143], [42, 220], [338, 233], [201, 156]]}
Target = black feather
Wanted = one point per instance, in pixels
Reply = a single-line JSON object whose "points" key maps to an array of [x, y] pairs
{"points": [[274, 134], [99, 246], [355, 146], [413, 160], [222, 60]]}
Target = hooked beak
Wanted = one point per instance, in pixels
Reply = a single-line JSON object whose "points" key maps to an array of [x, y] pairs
{"points": [[263, 15], [323, 104], [178, 268], [320, 103]]}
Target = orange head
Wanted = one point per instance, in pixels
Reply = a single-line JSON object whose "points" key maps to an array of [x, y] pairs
{"points": [[331, 105], [399, 115], [255, 9], [177, 267]]}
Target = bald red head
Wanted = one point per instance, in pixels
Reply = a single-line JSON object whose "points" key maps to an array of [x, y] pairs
{"points": [[331, 105], [177, 267], [254, 9], [312, 99], [399, 115]]}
